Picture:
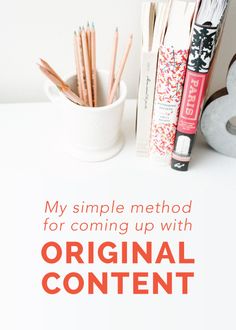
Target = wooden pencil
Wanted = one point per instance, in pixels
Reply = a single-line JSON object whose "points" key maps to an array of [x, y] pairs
{"points": [[48, 67], [72, 96], [87, 67], [93, 66], [62, 86], [79, 87], [120, 70], [89, 40], [113, 63], [82, 68], [54, 79]]}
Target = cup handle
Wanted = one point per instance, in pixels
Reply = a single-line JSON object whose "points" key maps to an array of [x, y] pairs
{"points": [[52, 92]]}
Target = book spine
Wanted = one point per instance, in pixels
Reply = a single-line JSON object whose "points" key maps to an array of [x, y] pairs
{"points": [[202, 50], [145, 102], [169, 87]]}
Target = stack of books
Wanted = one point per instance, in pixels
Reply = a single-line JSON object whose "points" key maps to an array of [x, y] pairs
{"points": [[179, 40]]}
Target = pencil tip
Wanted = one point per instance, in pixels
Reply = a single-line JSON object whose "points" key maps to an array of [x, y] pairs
{"points": [[117, 30], [93, 25], [75, 33], [88, 24], [41, 67]]}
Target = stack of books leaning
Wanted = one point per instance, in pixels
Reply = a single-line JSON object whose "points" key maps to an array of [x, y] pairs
{"points": [[179, 41]]}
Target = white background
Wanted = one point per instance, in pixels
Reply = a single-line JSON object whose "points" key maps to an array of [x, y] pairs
{"points": [[31, 29], [37, 169]]}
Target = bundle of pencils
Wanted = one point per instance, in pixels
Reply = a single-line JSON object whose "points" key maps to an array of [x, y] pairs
{"points": [[86, 71], [85, 59]]}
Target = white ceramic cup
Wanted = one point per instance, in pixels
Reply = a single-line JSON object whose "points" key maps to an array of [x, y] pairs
{"points": [[91, 134]]}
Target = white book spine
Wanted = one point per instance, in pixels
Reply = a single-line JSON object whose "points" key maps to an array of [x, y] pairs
{"points": [[145, 102]]}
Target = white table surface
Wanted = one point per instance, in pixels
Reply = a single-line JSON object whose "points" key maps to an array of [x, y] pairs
{"points": [[34, 168]]}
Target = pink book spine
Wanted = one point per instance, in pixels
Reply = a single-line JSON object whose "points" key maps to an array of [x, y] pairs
{"points": [[202, 51]]}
